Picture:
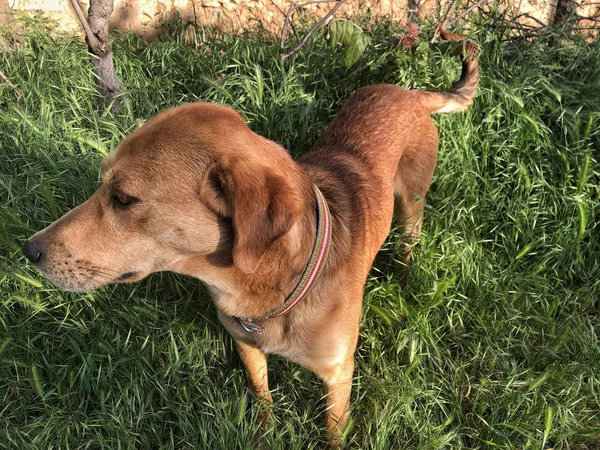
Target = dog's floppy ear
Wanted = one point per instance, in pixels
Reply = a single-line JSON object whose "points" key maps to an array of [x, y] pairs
{"points": [[258, 201]]}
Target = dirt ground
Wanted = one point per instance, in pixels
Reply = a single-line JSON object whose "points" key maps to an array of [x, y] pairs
{"points": [[144, 16]]}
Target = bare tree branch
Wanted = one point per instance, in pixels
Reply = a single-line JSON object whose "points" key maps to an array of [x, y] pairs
{"points": [[590, 18], [529, 16], [92, 40], [288, 16], [467, 11], [284, 24], [460, 16], [449, 11], [413, 11], [284, 56], [284, 28], [14, 88], [96, 28]]}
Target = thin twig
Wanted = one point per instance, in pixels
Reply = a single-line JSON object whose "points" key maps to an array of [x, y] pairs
{"points": [[311, 2], [529, 16], [467, 11], [443, 21], [288, 17], [449, 11], [460, 16], [291, 24], [92, 40], [590, 18], [412, 13], [304, 40], [284, 28], [14, 88]]}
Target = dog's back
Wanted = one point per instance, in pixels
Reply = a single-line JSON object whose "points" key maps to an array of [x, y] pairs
{"points": [[383, 146]]}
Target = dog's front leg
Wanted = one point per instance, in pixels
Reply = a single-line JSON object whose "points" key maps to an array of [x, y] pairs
{"points": [[255, 362]]}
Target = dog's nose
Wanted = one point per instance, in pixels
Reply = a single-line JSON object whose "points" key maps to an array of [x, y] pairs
{"points": [[32, 251]]}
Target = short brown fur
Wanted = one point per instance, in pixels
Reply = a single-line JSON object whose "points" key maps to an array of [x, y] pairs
{"points": [[195, 191]]}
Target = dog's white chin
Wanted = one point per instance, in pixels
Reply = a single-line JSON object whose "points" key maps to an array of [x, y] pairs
{"points": [[86, 284], [75, 285]]}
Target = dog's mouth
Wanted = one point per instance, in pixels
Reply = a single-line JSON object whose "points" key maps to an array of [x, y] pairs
{"points": [[82, 282], [76, 280], [126, 276], [130, 277], [81, 276]]}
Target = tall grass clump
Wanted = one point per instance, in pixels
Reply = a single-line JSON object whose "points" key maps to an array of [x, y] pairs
{"points": [[490, 341]]}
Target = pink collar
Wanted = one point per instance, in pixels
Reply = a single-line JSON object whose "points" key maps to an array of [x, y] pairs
{"points": [[311, 274]]}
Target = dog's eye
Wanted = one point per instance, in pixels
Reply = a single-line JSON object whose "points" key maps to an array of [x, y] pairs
{"points": [[122, 199]]}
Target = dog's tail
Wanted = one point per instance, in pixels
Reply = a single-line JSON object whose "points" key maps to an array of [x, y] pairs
{"points": [[461, 95]]}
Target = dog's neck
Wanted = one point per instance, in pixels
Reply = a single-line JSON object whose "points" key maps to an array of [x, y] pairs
{"points": [[255, 294]]}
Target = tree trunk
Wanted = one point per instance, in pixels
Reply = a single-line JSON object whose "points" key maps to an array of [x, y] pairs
{"points": [[99, 44]]}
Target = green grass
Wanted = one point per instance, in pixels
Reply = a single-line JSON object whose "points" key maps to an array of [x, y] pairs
{"points": [[491, 341]]}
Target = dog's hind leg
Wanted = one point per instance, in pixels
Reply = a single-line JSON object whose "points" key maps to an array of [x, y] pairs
{"points": [[412, 180]]}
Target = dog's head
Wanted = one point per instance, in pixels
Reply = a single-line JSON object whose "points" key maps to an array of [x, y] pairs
{"points": [[193, 182]]}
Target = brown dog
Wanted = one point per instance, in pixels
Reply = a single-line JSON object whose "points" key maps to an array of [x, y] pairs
{"points": [[195, 191]]}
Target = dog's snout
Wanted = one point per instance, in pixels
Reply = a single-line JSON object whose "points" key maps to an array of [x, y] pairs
{"points": [[33, 251]]}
